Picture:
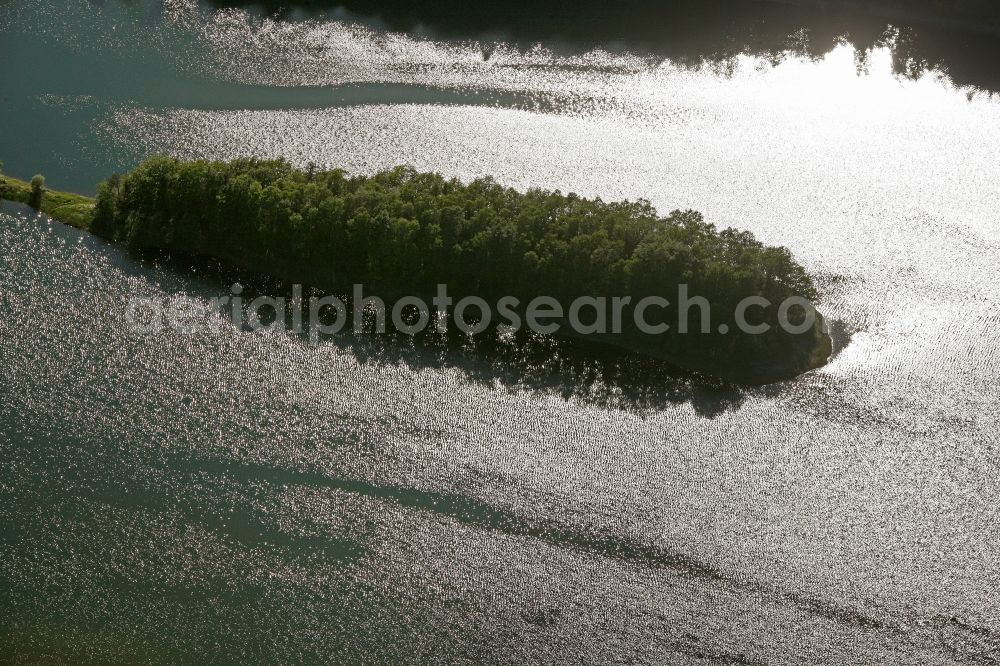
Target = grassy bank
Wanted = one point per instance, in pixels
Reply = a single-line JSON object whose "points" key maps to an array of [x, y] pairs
{"points": [[73, 209]]}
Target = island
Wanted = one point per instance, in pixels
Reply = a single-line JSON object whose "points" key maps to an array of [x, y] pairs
{"points": [[402, 232]]}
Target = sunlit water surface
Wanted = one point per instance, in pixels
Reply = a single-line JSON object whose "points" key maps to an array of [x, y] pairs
{"points": [[235, 496]]}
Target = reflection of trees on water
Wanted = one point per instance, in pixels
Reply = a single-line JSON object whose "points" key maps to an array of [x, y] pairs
{"points": [[960, 36], [575, 370]]}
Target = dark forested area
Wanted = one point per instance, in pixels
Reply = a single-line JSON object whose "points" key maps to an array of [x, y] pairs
{"points": [[403, 232], [959, 36]]}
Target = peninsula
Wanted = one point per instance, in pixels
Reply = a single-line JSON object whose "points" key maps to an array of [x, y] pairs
{"points": [[405, 232]]}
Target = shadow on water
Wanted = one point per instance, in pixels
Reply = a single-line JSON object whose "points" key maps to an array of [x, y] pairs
{"points": [[229, 498], [959, 37], [475, 513], [238, 522], [572, 369]]}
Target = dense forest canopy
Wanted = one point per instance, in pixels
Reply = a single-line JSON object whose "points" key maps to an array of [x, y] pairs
{"points": [[403, 232]]}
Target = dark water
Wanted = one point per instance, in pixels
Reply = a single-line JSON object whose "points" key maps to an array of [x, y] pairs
{"points": [[961, 35], [234, 497]]}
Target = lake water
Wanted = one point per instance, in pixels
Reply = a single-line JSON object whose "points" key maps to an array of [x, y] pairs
{"points": [[237, 498]]}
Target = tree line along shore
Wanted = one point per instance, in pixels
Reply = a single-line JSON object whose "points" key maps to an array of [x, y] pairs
{"points": [[405, 232]]}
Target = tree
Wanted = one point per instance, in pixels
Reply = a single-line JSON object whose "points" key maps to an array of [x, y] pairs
{"points": [[37, 190]]}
